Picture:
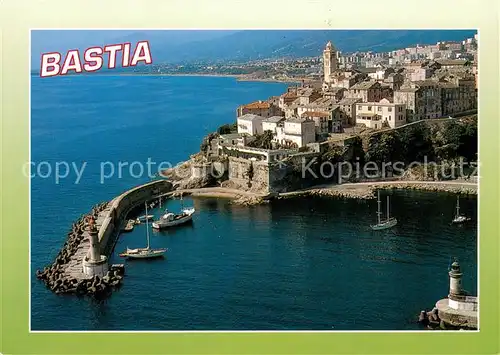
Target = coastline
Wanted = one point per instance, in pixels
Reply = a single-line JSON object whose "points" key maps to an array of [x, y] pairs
{"points": [[359, 190]]}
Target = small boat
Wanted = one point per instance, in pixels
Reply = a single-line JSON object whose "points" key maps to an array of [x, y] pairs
{"points": [[145, 217], [130, 225], [170, 219], [383, 224], [144, 253], [458, 217]]}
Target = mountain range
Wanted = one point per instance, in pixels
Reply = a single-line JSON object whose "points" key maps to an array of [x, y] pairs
{"points": [[188, 46]]}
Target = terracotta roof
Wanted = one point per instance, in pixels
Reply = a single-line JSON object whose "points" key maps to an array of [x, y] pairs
{"points": [[315, 114], [258, 105]]}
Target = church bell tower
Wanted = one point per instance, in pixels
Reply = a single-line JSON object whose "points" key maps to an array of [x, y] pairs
{"points": [[330, 61]]}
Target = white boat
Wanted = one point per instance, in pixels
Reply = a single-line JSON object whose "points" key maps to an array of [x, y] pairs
{"points": [[145, 217], [170, 219], [383, 224], [144, 253], [458, 217]]}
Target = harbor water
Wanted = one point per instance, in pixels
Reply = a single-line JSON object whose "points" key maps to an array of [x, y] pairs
{"points": [[299, 264]]}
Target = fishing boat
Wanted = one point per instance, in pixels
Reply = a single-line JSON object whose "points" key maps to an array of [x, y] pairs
{"points": [[458, 217], [383, 224], [170, 219], [144, 253], [130, 225]]}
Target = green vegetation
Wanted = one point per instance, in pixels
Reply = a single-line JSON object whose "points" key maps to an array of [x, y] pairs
{"points": [[438, 142], [442, 143], [264, 140], [228, 128]]}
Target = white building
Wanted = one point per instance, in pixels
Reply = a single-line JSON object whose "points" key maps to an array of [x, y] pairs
{"points": [[296, 131], [379, 114], [250, 124], [272, 123]]}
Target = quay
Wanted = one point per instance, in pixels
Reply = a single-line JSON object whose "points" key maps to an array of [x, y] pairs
{"points": [[457, 311], [82, 265]]}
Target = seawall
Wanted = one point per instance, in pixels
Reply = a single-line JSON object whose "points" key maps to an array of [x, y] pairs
{"points": [[72, 271]]}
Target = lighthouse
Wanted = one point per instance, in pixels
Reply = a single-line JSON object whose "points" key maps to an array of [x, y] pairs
{"points": [[93, 263], [94, 241], [455, 280]]}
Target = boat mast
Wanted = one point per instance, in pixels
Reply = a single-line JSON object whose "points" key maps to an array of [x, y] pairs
{"points": [[387, 207], [458, 206], [182, 202], [160, 202], [147, 224], [379, 212]]}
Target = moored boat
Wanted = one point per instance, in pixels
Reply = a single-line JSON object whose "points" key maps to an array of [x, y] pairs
{"points": [[459, 218], [170, 219], [130, 225], [383, 224], [144, 253]]}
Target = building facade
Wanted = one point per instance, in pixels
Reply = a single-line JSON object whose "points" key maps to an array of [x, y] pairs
{"points": [[381, 114], [250, 124], [260, 108]]}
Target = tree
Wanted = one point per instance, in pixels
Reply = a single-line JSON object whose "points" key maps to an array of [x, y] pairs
{"points": [[264, 140], [228, 128]]}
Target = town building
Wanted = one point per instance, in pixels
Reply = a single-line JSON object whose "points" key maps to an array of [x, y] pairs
{"points": [[367, 91], [453, 63], [260, 108], [394, 80], [321, 121], [381, 114], [296, 132], [250, 124], [307, 95], [272, 123], [347, 111], [330, 62], [422, 99]]}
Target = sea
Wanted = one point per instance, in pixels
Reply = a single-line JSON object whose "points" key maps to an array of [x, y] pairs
{"points": [[310, 263]]}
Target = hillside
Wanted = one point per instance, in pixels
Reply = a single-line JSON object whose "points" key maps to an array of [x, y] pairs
{"points": [[175, 46], [257, 44]]}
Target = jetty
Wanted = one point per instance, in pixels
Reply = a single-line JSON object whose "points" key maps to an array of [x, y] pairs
{"points": [[82, 265], [457, 311]]}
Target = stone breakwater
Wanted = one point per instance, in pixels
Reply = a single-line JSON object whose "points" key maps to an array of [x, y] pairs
{"points": [[367, 190], [75, 269], [443, 187], [62, 276]]}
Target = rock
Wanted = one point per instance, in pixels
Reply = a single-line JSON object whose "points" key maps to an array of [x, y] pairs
{"points": [[422, 318]]}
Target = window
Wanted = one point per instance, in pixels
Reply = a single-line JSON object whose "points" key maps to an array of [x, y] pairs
{"points": [[389, 109], [379, 108], [360, 108], [369, 108]]}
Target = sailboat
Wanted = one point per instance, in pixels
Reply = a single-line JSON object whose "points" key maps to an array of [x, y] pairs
{"points": [[458, 217], [170, 219], [383, 224], [144, 253]]}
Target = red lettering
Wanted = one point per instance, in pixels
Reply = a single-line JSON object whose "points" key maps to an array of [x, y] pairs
{"points": [[141, 53], [112, 49], [90, 58], [50, 64]]}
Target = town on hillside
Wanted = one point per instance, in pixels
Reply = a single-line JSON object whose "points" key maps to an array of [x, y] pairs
{"points": [[349, 101]]}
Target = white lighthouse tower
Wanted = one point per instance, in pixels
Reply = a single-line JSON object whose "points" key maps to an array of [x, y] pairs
{"points": [[455, 280], [94, 263], [330, 61]]}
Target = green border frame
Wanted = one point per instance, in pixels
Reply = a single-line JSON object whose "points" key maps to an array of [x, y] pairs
{"points": [[18, 18]]}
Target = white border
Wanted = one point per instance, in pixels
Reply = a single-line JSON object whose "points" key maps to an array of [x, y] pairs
{"points": [[241, 331]]}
